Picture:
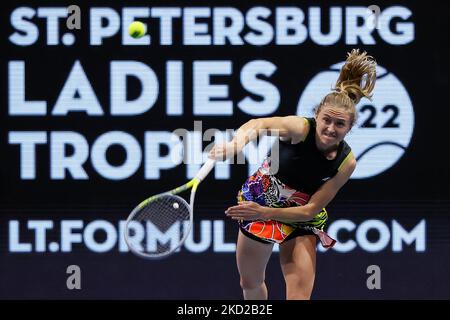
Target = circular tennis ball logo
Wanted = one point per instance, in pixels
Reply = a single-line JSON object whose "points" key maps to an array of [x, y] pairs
{"points": [[384, 127], [136, 29]]}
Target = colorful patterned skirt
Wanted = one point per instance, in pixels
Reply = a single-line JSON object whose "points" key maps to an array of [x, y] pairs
{"points": [[266, 190]]}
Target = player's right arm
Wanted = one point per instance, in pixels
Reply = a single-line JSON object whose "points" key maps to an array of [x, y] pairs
{"points": [[292, 128]]}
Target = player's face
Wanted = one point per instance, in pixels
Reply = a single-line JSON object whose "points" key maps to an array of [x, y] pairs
{"points": [[332, 125]]}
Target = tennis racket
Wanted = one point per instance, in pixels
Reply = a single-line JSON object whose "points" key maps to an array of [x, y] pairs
{"points": [[160, 224]]}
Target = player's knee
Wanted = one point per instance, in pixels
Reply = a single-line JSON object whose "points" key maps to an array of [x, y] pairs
{"points": [[298, 291], [298, 295], [249, 283]]}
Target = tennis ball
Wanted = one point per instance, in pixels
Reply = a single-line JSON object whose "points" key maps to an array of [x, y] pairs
{"points": [[175, 205], [136, 29]]}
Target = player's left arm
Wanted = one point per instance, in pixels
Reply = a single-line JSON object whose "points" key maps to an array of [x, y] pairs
{"points": [[320, 199], [248, 210], [329, 189]]}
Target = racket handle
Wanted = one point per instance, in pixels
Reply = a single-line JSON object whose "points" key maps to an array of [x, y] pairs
{"points": [[205, 169]]}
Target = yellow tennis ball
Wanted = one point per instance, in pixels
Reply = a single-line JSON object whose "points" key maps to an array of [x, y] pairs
{"points": [[136, 29]]}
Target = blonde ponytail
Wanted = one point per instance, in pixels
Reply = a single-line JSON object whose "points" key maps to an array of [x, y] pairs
{"points": [[356, 80], [358, 76]]}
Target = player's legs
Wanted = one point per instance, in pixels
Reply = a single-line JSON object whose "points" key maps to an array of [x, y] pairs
{"points": [[298, 263], [252, 257]]}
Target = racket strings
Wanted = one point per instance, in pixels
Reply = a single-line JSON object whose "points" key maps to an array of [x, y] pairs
{"points": [[160, 224], [164, 212]]}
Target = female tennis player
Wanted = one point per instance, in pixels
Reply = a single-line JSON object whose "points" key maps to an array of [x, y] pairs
{"points": [[287, 206]]}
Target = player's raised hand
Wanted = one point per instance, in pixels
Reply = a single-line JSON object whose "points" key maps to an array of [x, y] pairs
{"points": [[222, 151]]}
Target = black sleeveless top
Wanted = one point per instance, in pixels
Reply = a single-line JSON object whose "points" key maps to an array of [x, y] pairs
{"points": [[302, 166]]}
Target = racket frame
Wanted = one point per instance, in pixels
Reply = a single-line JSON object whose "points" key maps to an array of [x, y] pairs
{"points": [[192, 184]]}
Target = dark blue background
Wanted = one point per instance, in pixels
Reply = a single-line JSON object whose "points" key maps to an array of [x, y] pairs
{"points": [[415, 188]]}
